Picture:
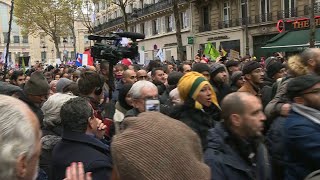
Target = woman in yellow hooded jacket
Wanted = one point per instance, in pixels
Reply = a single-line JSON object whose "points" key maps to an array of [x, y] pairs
{"points": [[200, 109]]}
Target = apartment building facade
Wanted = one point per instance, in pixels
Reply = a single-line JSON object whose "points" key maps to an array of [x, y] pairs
{"points": [[153, 18], [243, 25], [39, 48]]}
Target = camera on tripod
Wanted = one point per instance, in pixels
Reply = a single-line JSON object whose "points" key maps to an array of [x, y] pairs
{"points": [[113, 50]]}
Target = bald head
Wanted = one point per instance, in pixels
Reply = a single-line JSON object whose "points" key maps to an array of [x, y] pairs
{"points": [[19, 140], [142, 75], [234, 103], [129, 76]]}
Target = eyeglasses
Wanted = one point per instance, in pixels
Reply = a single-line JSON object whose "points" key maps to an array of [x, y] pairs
{"points": [[314, 91], [133, 77]]}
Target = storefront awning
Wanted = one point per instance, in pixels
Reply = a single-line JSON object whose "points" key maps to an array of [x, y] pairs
{"points": [[291, 41]]}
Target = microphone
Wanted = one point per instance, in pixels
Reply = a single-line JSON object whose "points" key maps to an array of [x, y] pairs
{"points": [[99, 38], [130, 35]]}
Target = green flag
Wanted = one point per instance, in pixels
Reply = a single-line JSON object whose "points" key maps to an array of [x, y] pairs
{"points": [[211, 51]]}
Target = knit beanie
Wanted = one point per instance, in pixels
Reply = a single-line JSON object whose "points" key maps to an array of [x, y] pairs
{"points": [[190, 85], [37, 85], [62, 83], [201, 67], [216, 68], [270, 60], [250, 66], [235, 76], [155, 146], [274, 68], [231, 63]]}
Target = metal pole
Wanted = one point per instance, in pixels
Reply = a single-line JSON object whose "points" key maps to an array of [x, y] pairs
{"points": [[8, 42], [312, 25]]}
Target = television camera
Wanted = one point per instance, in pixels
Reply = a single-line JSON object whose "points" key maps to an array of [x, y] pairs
{"points": [[113, 50]]}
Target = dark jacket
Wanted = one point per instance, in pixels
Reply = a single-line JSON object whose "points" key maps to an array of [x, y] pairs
{"points": [[198, 120], [79, 147], [225, 160], [221, 90], [50, 137], [35, 108], [276, 147], [302, 140], [266, 91], [161, 87]]}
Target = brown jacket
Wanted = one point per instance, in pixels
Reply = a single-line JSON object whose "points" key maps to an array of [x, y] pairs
{"points": [[247, 87]]}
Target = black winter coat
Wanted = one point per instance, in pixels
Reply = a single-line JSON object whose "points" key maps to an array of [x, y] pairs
{"points": [[80, 147], [198, 120]]}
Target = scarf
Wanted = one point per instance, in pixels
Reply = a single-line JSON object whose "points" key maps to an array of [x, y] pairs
{"points": [[308, 112]]}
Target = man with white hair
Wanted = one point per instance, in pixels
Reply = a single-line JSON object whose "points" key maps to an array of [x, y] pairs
{"points": [[140, 92], [19, 140]]}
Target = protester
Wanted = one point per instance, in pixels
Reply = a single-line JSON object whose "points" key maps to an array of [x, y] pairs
{"points": [[237, 81], [232, 66], [184, 68], [36, 92], [140, 92], [81, 142], [52, 131], [173, 79], [17, 78], [158, 79], [201, 109], [302, 127], [311, 59], [154, 146], [235, 149], [142, 75], [202, 68], [219, 80], [62, 83], [123, 105], [129, 77], [19, 140], [254, 75]]}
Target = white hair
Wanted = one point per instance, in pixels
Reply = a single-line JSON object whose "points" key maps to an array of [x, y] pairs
{"points": [[135, 90], [17, 136], [51, 108]]}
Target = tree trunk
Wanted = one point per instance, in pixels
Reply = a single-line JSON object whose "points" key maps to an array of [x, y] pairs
{"points": [[176, 14], [73, 56], [56, 45], [125, 18]]}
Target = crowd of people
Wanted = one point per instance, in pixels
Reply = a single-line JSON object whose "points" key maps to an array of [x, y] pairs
{"points": [[225, 120]]}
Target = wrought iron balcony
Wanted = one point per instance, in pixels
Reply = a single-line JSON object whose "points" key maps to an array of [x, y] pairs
{"points": [[316, 9], [147, 9], [288, 13], [205, 27], [263, 18]]}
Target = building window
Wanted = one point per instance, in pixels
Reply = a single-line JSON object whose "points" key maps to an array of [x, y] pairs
{"points": [[289, 8], [5, 37], [103, 6], [265, 10], [16, 39], [155, 26], [185, 19], [43, 56], [169, 23], [25, 39], [244, 9], [141, 4], [142, 28], [226, 12], [205, 16]]}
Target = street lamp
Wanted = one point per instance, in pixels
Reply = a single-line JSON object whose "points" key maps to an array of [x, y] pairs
{"points": [[64, 49]]}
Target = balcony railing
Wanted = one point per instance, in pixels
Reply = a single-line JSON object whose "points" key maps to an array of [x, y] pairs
{"points": [[316, 9], [205, 27], [147, 9], [288, 13]]}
